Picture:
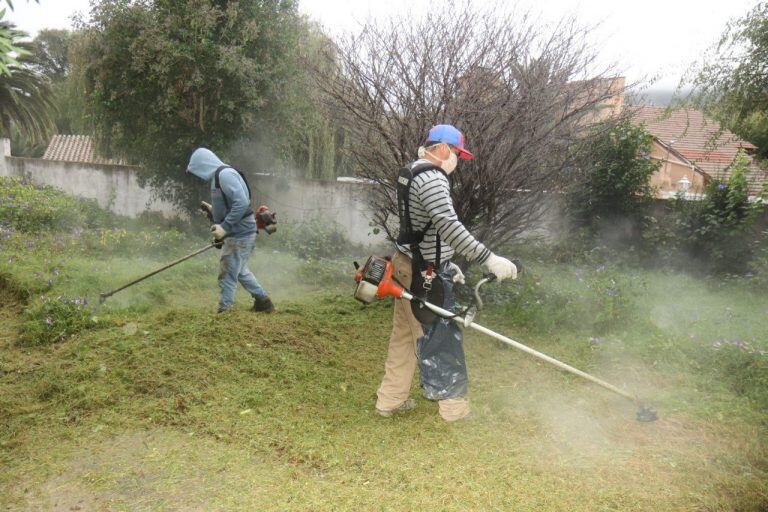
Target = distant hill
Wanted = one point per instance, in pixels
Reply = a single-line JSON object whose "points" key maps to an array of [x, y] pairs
{"points": [[656, 97]]}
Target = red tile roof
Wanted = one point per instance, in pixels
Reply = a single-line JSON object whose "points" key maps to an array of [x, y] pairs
{"points": [[701, 140], [75, 148]]}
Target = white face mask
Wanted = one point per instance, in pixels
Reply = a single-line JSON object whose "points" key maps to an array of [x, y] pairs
{"points": [[447, 165], [450, 165]]}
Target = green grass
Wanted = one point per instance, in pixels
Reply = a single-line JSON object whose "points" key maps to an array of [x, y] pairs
{"points": [[165, 405]]}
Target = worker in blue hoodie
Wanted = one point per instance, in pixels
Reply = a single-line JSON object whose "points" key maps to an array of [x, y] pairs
{"points": [[234, 219]]}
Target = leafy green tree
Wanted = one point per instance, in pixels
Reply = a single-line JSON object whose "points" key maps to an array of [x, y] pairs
{"points": [[51, 53], [613, 193], [732, 85], [295, 133], [164, 76], [59, 56]]}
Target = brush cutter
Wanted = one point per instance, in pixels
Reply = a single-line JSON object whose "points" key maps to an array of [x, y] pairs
{"points": [[375, 280], [104, 296]]}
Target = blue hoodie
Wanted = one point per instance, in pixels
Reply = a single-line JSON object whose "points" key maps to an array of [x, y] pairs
{"points": [[203, 164]]}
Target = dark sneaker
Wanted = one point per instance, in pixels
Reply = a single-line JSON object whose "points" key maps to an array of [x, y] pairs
{"points": [[403, 407], [263, 306]]}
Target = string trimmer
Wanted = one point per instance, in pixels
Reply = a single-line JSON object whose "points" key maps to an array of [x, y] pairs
{"points": [[375, 280], [104, 296]]}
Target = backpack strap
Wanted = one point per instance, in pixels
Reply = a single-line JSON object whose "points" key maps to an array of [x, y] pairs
{"points": [[217, 184], [407, 235]]}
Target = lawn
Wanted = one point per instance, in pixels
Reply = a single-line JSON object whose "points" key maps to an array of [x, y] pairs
{"points": [[157, 403]]}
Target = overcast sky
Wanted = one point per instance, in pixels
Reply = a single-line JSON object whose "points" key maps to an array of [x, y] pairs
{"points": [[648, 38]]}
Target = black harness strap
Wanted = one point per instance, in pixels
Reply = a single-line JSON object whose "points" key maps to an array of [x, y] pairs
{"points": [[408, 236], [217, 184]]}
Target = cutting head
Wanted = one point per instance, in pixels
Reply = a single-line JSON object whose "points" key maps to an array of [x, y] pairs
{"points": [[646, 414]]}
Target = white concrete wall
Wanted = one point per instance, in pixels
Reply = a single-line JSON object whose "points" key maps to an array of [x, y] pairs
{"points": [[5, 151], [346, 204], [116, 187]]}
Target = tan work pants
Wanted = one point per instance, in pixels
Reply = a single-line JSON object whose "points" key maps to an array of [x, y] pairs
{"points": [[402, 356]]}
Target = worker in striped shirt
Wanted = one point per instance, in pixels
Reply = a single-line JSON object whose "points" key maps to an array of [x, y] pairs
{"points": [[430, 235]]}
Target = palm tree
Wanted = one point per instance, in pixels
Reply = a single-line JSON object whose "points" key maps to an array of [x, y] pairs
{"points": [[10, 3], [8, 34], [26, 100]]}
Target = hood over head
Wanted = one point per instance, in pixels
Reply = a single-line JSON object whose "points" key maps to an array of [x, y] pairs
{"points": [[203, 163]]}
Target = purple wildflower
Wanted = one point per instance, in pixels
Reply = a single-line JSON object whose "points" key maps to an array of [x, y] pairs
{"points": [[30, 245], [722, 186]]}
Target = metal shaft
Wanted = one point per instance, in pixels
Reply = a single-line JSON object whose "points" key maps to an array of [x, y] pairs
{"points": [[535, 353], [105, 296]]}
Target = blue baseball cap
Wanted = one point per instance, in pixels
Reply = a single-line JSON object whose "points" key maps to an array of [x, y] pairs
{"points": [[450, 135]]}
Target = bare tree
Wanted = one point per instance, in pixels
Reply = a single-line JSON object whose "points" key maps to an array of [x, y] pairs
{"points": [[525, 99]]}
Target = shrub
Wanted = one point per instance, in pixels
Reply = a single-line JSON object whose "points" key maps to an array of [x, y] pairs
{"points": [[34, 209], [718, 232], [54, 320], [614, 194], [312, 239]]}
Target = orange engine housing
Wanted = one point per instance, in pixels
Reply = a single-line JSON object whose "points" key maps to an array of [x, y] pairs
{"points": [[377, 272]]}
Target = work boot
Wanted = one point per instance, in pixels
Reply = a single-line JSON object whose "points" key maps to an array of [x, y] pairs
{"points": [[403, 407], [263, 305]]}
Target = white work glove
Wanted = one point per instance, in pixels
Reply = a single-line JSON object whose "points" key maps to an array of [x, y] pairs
{"points": [[458, 275], [502, 268], [218, 232]]}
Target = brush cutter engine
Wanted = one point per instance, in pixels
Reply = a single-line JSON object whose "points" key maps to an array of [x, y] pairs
{"points": [[374, 280], [266, 220]]}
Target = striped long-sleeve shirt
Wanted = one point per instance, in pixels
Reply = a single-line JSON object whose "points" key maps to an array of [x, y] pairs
{"points": [[430, 199]]}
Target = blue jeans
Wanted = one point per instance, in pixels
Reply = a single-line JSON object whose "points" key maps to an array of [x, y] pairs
{"points": [[234, 269]]}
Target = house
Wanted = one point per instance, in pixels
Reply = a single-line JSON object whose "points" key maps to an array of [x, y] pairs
{"points": [[76, 148], [693, 150]]}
